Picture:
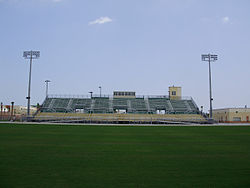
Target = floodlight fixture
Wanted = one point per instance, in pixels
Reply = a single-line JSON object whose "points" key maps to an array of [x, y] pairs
{"points": [[210, 58], [30, 55]]}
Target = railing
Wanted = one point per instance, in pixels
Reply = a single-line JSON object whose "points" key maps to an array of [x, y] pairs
{"points": [[111, 96], [68, 96], [194, 103], [157, 96]]}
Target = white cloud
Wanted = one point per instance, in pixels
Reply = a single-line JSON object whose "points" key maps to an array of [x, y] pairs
{"points": [[225, 20], [101, 20]]}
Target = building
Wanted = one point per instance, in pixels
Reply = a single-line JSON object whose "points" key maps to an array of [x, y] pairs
{"points": [[175, 92], [232, 115], [5, 109], [22, 110]]}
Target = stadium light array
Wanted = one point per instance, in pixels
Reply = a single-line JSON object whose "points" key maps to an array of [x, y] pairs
{"points": [[30, 55], [210, 58]]}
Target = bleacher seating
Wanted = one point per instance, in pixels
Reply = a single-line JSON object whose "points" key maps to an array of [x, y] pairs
{"points": [[47, 102], [55, 104], [120, 103], [110, 105], [138, 105], [159, 104], [179, 106], [84, 104], [192, 105], [101, 105]]}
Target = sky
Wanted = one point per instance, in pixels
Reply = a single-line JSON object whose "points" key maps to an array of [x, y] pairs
{"points": [[126, 45]]}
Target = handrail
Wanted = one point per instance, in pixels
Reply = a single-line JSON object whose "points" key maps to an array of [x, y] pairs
{"points": [[111, 96]]}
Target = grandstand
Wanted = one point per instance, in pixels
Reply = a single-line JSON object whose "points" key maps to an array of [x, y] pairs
{"points": [[121, 107], [112, 105]]}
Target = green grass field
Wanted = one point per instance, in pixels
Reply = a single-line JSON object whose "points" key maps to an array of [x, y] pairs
{"points": [[110, 156]]}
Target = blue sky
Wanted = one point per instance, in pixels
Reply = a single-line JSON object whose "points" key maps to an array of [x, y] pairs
{"points": [[136, 45]]}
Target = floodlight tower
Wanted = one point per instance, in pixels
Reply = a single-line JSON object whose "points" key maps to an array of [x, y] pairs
{"points": [[47, 87], [1, 111], [30, 55], [209, 58]]}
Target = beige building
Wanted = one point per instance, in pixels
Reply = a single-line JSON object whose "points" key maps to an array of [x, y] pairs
{"points": [[23, 110], [175, 92], [18, 112], [232, 115]]}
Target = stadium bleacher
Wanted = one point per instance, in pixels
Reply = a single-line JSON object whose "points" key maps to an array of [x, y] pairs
{"points": [[122, 106], [101, 105], [110, 109], [139, 106], [129, 105]]}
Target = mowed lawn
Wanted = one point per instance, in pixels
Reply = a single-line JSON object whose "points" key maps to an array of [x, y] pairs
{"points": [[123, 156]]}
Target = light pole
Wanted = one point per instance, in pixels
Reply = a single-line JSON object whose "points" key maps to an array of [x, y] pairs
{"points": [[47, 87], [12, 111], [1, 111], [100, 87], [91, 93], [30, 55], [209, 58]]}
